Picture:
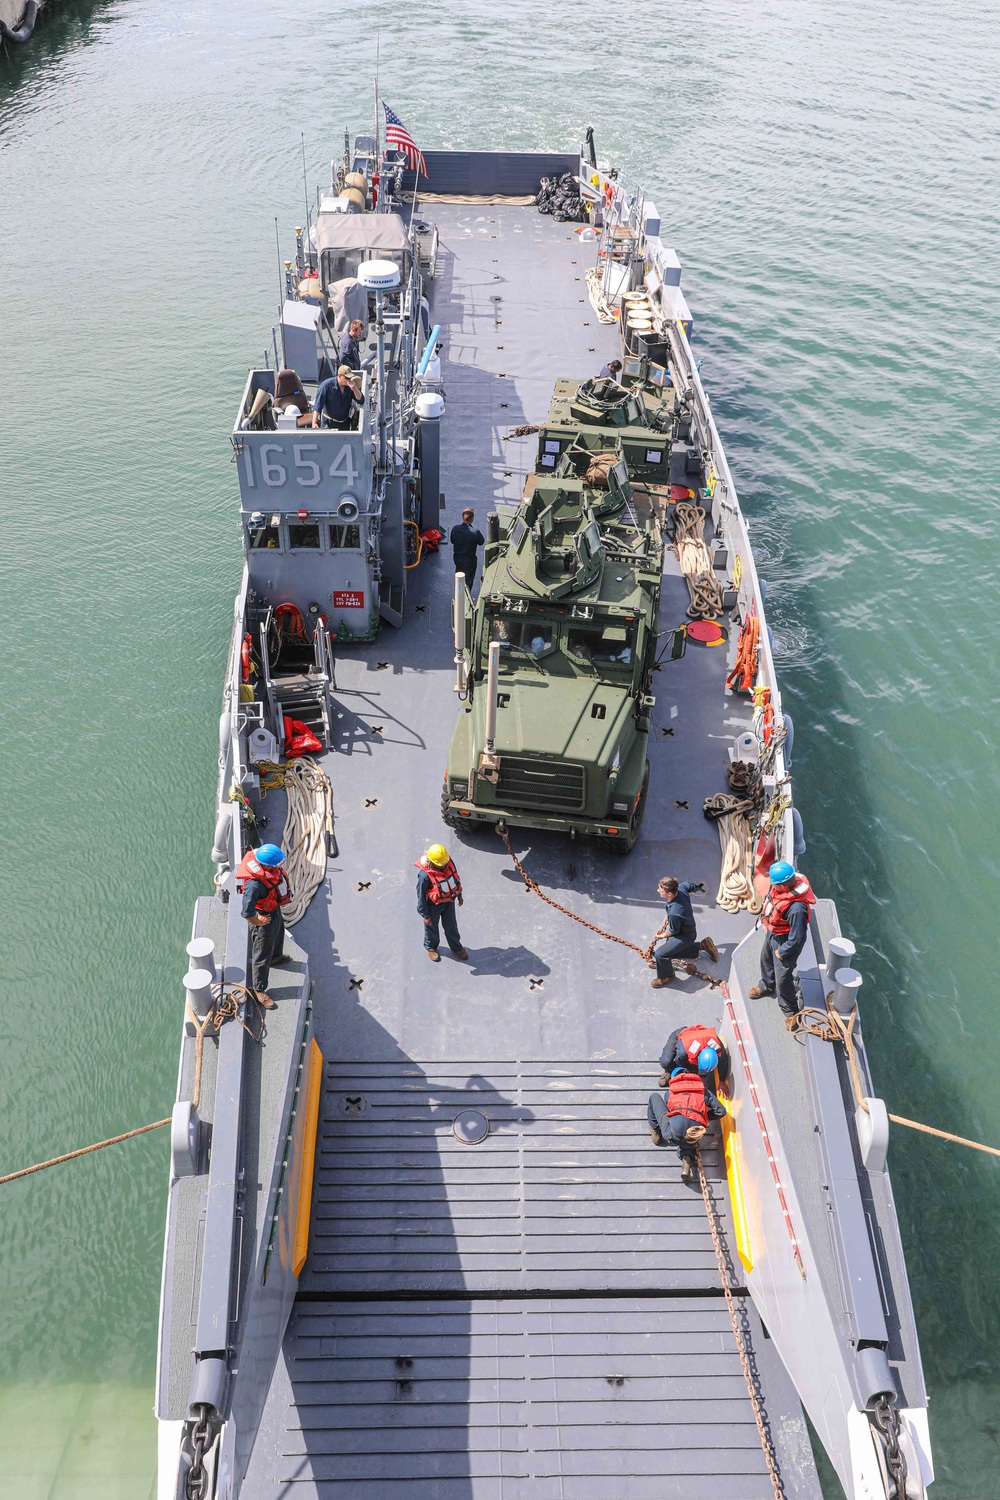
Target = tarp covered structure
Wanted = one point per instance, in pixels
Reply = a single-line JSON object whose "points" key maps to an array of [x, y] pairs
{"points": [[343, 241]]}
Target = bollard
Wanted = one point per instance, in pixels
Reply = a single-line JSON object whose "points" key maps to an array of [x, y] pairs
{"points": [[840, 951], [198, 983], [201, 955], [846, 983]]}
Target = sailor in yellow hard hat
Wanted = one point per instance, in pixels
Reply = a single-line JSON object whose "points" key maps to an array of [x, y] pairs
{"points": [[438, 889]]}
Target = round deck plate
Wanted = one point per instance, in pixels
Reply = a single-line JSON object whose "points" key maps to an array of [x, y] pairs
{"points": [[470, 1127]]}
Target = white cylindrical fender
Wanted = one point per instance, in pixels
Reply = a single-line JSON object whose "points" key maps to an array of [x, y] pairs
{"points": [[223, 828]]}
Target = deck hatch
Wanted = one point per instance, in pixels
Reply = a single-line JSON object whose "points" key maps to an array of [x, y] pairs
{"points": [[541, 783]]}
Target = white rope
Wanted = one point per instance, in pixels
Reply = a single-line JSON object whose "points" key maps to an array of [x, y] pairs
{"points": [[736, 892], [695, 563], [308, 821], [598, 300]]}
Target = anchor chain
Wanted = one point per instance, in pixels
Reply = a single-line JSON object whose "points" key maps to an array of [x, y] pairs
{"points": [[743, 1349], [645, 954], [201, 1437], [885, 1419]]}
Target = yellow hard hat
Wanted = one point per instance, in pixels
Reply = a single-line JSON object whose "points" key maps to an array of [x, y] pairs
{"points": [[437, 854]]}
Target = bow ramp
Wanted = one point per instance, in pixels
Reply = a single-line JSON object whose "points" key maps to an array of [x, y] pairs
{"points": [[536, 1314]]}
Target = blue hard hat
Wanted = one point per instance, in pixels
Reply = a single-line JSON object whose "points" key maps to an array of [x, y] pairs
{"points": [[708, 1060], [269, 854], [781, 872]]}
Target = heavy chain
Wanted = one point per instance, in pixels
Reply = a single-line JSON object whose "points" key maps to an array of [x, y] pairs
{"points": [[742, 1347], [200, 1437], [885, 1420], [645, 954]]}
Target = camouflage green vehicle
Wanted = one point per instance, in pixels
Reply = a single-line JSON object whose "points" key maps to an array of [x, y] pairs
{"points": [[554, 664], [591, 416]]}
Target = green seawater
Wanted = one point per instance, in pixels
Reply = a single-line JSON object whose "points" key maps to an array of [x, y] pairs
{"points": [[829, 176]]}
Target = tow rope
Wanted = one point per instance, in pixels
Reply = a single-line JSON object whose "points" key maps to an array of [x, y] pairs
{"points": [[740, 1334], [831, 1026], [228, 1004], [645, 954]]}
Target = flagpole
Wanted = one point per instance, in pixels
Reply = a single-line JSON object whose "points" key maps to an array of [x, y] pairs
{"points": [[378, 48]]}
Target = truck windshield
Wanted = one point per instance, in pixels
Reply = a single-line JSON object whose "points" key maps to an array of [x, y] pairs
{"points": [[603, 643], [519, 636]]}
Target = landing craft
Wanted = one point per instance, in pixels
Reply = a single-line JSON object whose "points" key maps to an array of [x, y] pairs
{"points": [[418, 1240]]}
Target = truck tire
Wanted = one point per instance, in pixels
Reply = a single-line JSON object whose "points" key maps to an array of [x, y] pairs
{"points": [[624, 846], [460, 825], [447, 816]]}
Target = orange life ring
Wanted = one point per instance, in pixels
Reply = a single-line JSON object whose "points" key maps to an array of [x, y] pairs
{"points": [[245, 656]]}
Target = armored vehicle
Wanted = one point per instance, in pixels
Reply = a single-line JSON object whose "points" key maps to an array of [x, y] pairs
{"points": [[636, 420], [554, 664]]}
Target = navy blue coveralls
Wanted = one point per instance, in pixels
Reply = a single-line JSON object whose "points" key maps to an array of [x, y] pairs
{"points": [[682, 941]]}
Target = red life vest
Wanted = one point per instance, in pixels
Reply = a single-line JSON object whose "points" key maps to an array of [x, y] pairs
{"points": [[686, 1096], [273, 876], [694, 1038], [774, 914], [445, 884]]}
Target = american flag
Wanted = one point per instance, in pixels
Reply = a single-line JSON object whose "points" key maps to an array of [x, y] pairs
{"points": [[398, 138]]}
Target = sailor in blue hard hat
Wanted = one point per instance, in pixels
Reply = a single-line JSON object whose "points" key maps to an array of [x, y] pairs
{"points": [[785, 920], [680, 1118], [262, 883]]}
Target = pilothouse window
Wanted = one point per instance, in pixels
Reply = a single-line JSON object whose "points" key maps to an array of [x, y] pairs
{"points": [[265, 534], [343, 535], [303, 533]]}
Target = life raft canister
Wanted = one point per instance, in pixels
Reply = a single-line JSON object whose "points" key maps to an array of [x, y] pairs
{"points": [[445, 884], [686, 1096], [694, 1038], [273, 876], [774, 914]]}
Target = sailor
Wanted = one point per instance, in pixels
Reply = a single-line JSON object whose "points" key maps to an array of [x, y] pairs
{"points": [[612, 369], [465, 540], [350, 345], [680, 1117], [337, 399], [699, 1050], [678, 937], [785, 920], [262, 883], [438, 889]]}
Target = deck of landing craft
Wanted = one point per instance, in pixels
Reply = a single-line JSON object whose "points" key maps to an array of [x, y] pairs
{"points": [[539, 1315]]}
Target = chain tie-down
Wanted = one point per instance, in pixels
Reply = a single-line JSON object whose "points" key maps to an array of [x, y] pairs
{"points": [[740, 1334], [645, 954]]}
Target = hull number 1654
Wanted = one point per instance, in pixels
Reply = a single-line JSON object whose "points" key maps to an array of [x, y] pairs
{"points": [[306, 471]]}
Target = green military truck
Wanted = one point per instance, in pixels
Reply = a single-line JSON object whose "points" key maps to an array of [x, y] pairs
{"points": [[554, 664]]}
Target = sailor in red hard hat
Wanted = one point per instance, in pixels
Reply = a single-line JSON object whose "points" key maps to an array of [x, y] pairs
{"points": [[785, 920]]}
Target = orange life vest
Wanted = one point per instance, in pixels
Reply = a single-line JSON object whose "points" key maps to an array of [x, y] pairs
{"points": [[686, 1096], [694, 1038], [774, 914], [273, 876], [445, 884]]}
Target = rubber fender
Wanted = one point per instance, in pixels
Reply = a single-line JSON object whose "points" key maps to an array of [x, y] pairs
{"points": [[789, 740], [762, 584], [225, 732], [21, 33], [223, 826], [798, 834]]}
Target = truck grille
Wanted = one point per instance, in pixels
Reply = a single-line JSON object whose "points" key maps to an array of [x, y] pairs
{"points": [[540, 783]]}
